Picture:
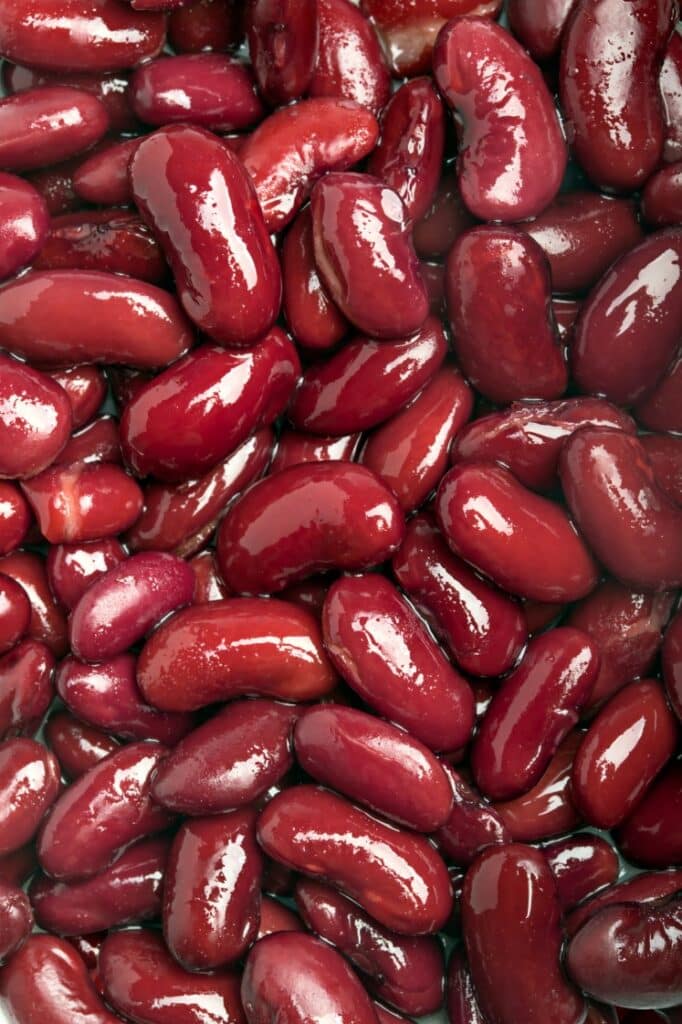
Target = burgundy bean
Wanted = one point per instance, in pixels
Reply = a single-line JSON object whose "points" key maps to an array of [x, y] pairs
{"points": [[275, 917], [26, 689], [15, 613], [581, 865], [528, 437], [652, 834], [85, 386], [671, 91], [410, 451], [313, 319], [16, 920], [662, 197], [512, 933], [205, 25], [176, 174], [208, 585], [228, 761], [72, 568], [211, 905], [35, 419], [644, 887], [76, 746], [293, 449], [298, 144], [665, 455], [44, 126], [108, 808], [110, 88], [472, 825], [513, 154], [433, 276], [625, 748], [462, 1002], [332, 395], [630, 955], [565, 314], [524, 543], [15, 517], [29, 784], [24, 223], [672, 663], [386, 655], [350, 63], [445, 220], [48, 623], [225, 649], [99, 441], [354, 216], [626, 627], [48, 980], [538, 24], [498, 292], [283, 39], [396, 876], [399, 777], [662, 409], [103, 177], [55, 185], [405, 971], [610, 94]]}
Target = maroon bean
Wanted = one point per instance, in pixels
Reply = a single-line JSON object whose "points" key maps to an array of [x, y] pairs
{"points": [[350, 64], [612, 103], [581, 865], [85, 386], [512, 933], [472, 825], [652, 834], [538, 24], [205, 25], [462, 1002], [445, 220], [48, 623], [665, 456], [110, 88], [385, 654], [293, 449], [275, 917], [283, 38], [433, 276], [25, 221], [671, 92], [15, 613], [15, 517], [642, 888], [662, 197], [208, 586], [405, 971], [672, 663], [18, 866], [35, 419], [662, 409], [103, 177], [76, 746], [498, 292], [44, 126], [29, 784], [225, 649], [108, 808], [72, 568], [565, 314], [625, 748], [513, 153], [630, 955], [26, 689], [16, 920], [99, 441]]}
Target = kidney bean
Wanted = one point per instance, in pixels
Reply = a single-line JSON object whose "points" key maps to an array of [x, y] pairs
{"points": [[312, 317], [97, 442], [462, 1002], [630, 955], [83, 502], [110, 88], [643, 888], [48, 623], [85, 386], [29, 784], [661, 410], [581, 865], [35, 419], [472, 824], [16, 920], [539, 25], [470, 57], [208, 585], [142, 980], [332, 395], [15, 613], [670, 81], [283, 39], [103, 177], [353, 215], [410, 451], [512, 933], [625, 748], [498, 293], [565, 315], [672, 663], [445, 220], [225, 649], [108, 808], [240, 303], [17, 866], [26, 688], [24, 223], [293, 449], [433, 275], [44, 126], [662, 197], [652, 834], [205, 25], [665, 455], [55, 185], [613, 103], [523, 542], [72, 568], [400, 778], [76, 746], [350, 63], [15, 517], [275, 917], [114, 241]]}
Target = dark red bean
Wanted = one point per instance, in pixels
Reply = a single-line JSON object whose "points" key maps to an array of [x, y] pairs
{"points": [[662, 409], [643, 888], [662, 197], [29, 784], [538, 24], [293, 449], [15, 613], [48, 623], [25, 222], [652, 835], [16, 920], [208, 586], [205, 25], [581, 865], [672, 663], [565, 314], [111, 88], [512, 933], [103, 177], [671, 91], [99, 441], [18, 866], [513, 152], [445, 220], [350, 63], [44, 126], [35, 419], [665, 456], [26, 688], [76, 746], [15, 517], [72, 568], [283, 39], [275, 917], [472, 825], [462, 1002], [85, 386]]}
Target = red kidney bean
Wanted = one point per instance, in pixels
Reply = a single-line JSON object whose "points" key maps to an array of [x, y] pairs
{"points": [[225, 649], [462, 1002], [332, 395], [83, 502], [107, 697], [85, 386], [565, 315], [445, 220], [19, 865], [44, 126], [26, 689], [15, 613], [293, 449], [208, 586], [48, 980], [305, 519], [538, 24], [472, 825], [24, 226], [228, 761], [671, 92], [512, 933], [540, 614], [210, 90], [513, 154], [405, 971], [99, 441], [433, 275], [533, 711], [528, 436], [354, 216], [350, 63], [662, 197], [275, 917], [15, 517], [239, 304], [410, 153], [128, 891], [55, 185], [546, 809], [205, 25], [581, 865], [524, 543], [56, 316], [48, 623], [672, 663], [661, 410], [626, 627], [76, 746], [313, 319], [410, 451], [630, 524], [293, 978], [16, 920], [29, 784], [498, 292], [613, 105], [110, 88], [108, 808], [103, 177], [283, 39], [625, 748], [665, 456], [630, 955], [114, 241], [35, 419], [400, 778], [652, 834], [72, 568], [385, 654], [642, 888], [143, 981], [211, 905], [396, 876], [634, 312]]}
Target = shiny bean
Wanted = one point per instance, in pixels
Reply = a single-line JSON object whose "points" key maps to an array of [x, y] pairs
{"points": [[672, 663], [665, 455], [350, 63], [35, 419], [16, 920], [652, 834], [48, 623], [44, 126], [283, 39], [538, 24], [15, 613], [73, 568], [294, 448], [85, 386], [647, 887], [25, 222], [462, 1002], [472, 824], [103, 177], [29, 784], [670, 81], [76, 746], [15, 517], [26, 688], [581, 865]]}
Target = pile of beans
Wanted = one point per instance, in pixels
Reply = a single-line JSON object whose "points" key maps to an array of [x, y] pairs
{"points": [[340, 511]]}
